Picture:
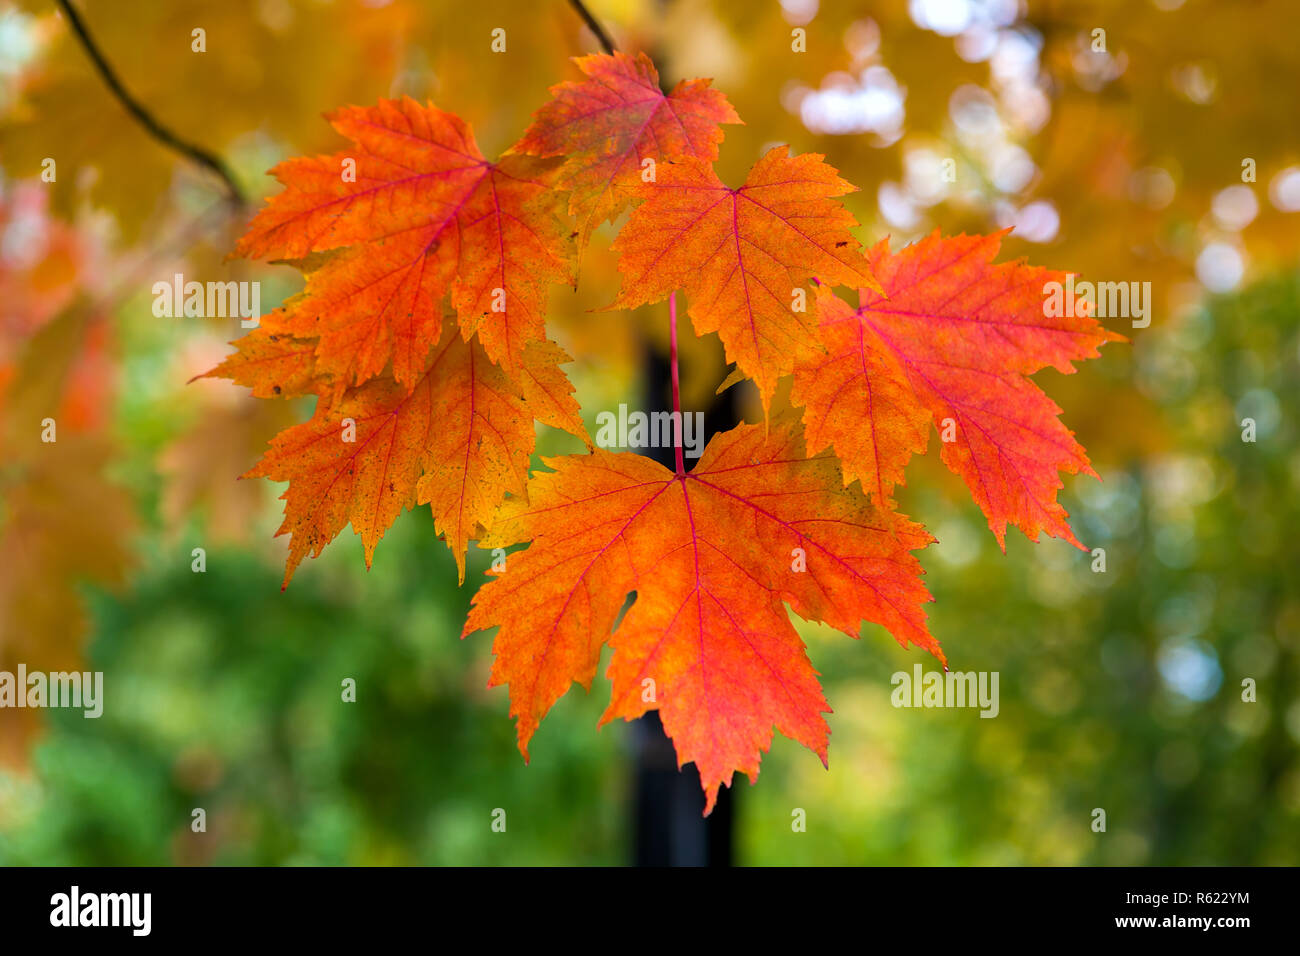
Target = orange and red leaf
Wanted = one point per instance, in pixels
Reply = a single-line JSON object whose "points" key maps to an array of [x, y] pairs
{"points": [[953, 339], [745, 257], [412, 214], [711, 556], [459, 440], [609, 124]]}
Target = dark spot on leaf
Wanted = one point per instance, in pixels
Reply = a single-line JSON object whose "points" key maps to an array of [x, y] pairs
{"points": [[276, 389]]}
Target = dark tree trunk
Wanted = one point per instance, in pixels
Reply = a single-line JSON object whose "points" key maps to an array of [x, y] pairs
{"points": [[671, 829]]}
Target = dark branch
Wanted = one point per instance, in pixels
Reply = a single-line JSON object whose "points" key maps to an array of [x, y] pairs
{"points": [[594, 26], [159, 132]]}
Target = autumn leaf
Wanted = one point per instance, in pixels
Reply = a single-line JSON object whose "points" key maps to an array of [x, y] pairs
{"points": [[607, 126], [744, 257], [547, 390], [953, 341], [273, 364], [387, 234], [713, 556], [411, 213], [458, 440]]}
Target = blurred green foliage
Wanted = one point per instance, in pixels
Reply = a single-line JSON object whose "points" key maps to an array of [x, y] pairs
{"points": [[225, 694]]}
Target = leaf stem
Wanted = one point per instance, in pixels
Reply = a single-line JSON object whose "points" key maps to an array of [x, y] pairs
{"points": [[155, 129], [594, 26], [679, 425]]}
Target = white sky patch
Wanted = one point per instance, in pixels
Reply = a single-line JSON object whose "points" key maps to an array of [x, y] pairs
{"points": [[1284, 190], [945, 17], [1037, 222], [1220, 267], [1235, 208], [799, 12], [872, 104]]}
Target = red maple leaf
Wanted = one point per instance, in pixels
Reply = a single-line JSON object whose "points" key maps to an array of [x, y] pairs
{"points": [[714, 556], [745, 257], [609, 125], [953, 340], [411, 213], [412, 407]]}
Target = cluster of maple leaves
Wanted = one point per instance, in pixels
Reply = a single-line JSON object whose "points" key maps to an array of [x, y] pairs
{"points": [[421, 330]]}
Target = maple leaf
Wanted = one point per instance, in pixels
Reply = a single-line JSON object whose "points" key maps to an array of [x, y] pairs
{"points": [[607, 125], [743, 256], [954, 339], [712, 558], [458, 440], [273, 364], [547, 391], [412, 213]]}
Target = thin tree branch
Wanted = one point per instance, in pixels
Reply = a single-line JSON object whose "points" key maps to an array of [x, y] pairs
{"points": [[594, 26], [155, 129]]}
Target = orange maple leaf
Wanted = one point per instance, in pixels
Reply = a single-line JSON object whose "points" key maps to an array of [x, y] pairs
{"points": [[459, 439], [273, 364], [412, 212], [413, 406], [745, 257], [953, 339], [609, 124], [713, 556]]}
